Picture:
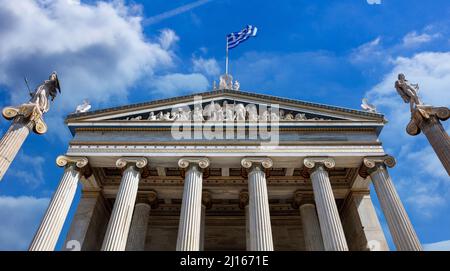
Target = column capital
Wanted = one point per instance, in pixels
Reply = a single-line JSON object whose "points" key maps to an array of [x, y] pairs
{"points": [[31, 115], [206, 199], [79, 161], [426, 114], [248, 162], [312, 162], [148, 197], [138, 162], [185, 162], [243, 199], [371, 163], [301, 197]]}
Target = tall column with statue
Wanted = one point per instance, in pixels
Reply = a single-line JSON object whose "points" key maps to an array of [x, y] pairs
{"points": [[25, 118], [426, 118]]}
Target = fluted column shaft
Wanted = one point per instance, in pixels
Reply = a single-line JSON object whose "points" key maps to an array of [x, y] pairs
{"points": [[11, 142], [138, 229], [202, 228], [50, 228], [330, 223], [311, 227], [190, 217], [400, 226], [119, 223], [438, 138], [260, 227]]}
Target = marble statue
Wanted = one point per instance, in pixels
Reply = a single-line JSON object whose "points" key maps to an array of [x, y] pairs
{"points": [[236, 85], [182, 114], [219, 113], [38, 104], [252, 112], [409, 94], [136, 118], [213, 111], [198, 113], [84, 107], [229, 111], [300, 116], [265, 115], [240, 112], [48, 88], [225, 112], [151, 116], [166, 116], [288, 116], [366, 106], [274, 116], [226, 82]]}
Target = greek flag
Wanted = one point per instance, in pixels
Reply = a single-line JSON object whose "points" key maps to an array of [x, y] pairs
{"points": [[235, 38]]}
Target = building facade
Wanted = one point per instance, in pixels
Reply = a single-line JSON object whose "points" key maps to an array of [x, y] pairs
{"points": [[226, 170]]}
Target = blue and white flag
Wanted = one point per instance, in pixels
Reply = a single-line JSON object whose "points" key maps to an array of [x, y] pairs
{"points": [[235, 38]]}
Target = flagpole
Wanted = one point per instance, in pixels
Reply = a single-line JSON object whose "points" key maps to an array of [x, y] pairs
{"points": [[226, 59]]}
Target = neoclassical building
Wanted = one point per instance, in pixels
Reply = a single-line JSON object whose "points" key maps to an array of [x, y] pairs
{"points": [[226, 170]]}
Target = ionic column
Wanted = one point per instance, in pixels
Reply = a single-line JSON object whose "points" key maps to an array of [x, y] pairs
{"points": [[191, 206], [243, 204], [432, 127], [25, 118], [119, 223], [400, 226], [310, 221], [48, 232], [12, 141], [206, 204], [139, 223], [260, 226], [330, 223]]}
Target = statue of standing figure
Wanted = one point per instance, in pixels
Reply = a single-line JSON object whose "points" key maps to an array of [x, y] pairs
{"points": [[426, 119], [26, 117], [409, 93], [38, 105]]}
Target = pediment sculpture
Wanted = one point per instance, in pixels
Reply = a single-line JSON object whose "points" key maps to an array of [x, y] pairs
{"points": [[225, 111]]}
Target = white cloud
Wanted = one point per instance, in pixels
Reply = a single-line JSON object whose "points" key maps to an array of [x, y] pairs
{"points": [[413, 38], [367, 51], [438, 246], [20, 219], [168, 38], [178, 83], [430, 69], [28, 169], [206, 66], [95, 48], [428, 161], [373, 2]]}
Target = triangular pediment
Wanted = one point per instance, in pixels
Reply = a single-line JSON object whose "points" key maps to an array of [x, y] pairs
{"points": [[225, 105]]}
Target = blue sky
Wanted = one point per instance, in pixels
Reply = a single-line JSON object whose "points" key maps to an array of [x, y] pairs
{"points": [[119, 52]]}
